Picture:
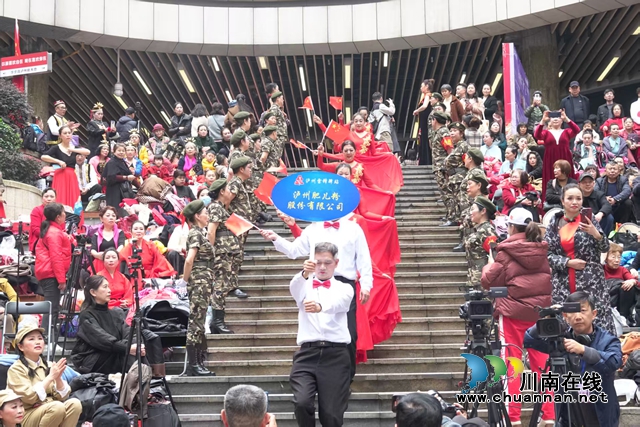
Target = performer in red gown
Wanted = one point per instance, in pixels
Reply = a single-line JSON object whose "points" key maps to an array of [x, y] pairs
{"points": [[556, 143], [65, 181], [388, 176], [361, 135]]}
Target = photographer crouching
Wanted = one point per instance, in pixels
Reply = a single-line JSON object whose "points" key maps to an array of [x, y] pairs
{"points": [[588, 348], [521, 265]]}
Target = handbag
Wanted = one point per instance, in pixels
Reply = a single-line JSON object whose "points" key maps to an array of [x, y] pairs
{"points": [[126, 190], [93, 390]]}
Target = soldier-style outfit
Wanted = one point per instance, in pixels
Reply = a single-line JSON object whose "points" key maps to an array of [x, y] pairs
{"points": [[199, 288], [240, 205], [439, 154], [456, 172], [257, 206], [281, 124], [475, 174], [228, 255], [269, 146], [477, 244]]}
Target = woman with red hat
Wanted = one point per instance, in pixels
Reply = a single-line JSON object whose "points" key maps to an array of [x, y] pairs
{"points": [[157, 144]]}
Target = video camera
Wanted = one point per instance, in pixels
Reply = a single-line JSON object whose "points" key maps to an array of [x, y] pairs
{"points": [[549, 325], [448, 409], [477, 307]]}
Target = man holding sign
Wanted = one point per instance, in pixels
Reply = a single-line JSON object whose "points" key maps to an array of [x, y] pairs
{"points": [[322, 364], [355, 260]]}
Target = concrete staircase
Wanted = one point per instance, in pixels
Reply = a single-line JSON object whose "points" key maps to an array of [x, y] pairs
{"points": [[423, 353]]}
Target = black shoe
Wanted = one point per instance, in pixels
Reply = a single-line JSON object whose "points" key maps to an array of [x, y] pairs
{"points": [[449, 224], [264, 217], [202, 357], [217, 324], [193, 367], [239, 294], [459, 248]]}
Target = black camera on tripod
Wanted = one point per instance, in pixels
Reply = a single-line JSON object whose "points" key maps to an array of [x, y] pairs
{"points": [[477, 307], [549, 326]]}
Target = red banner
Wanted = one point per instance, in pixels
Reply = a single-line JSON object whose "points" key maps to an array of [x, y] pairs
{"points": [[31, 63]]}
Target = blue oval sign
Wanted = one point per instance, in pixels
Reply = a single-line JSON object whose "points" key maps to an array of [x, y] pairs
{"points": [[315, 196]]}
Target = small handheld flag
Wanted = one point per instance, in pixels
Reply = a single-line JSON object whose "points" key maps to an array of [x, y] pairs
{"points": [[336, 102], [307, 104], [298, 144], [238, 225], [263, 192]]}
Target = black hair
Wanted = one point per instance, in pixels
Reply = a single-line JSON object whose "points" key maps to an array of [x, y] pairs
{"points": [[530, 168], [342, 166], [462, 84], [430, 83], [220, 158], [179, 173], [569, 187], [199, 110], [348, 143], [217, 109], [23, 359], [412, 154], [531, 230], [594, 168], [91, 284], [215, 194], [51, 212], [512, 149], [445, 87], [204, 126], [178, 103], [270, 88], [46, 190], [418, 410], [363, 108], [582, 296], [587, 132], [606, 91], [376, 96], [201, 190]]}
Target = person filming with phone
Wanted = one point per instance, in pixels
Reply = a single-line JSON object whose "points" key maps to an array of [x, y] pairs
{"points": [[521, 265], [575, 244]]}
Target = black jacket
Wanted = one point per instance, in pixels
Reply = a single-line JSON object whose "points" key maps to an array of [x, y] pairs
{"points": [[624, 191], [115, 173], [567, 105], [96, 135], [184, 121], [554, 191], [124, 126], [597, 201], [490, 107]]}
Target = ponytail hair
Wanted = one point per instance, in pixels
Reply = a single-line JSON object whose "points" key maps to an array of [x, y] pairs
{"points": [[51, 212], [532, 232]]}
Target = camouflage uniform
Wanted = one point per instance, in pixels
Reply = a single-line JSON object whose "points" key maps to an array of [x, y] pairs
{"points": [[228, 256], [282, 133], [199, 284], [456, 173], [269, 146], [477, 256], [439, 154], [257, 205], [240, 205], [464, 201]]}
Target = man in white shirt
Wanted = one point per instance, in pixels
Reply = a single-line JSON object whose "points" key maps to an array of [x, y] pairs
{"points": [[87, 178], [58, 120], [322, 365], [354, 255]]}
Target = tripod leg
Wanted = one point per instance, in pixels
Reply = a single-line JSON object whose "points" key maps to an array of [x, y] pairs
{"points": [[124, 363]]}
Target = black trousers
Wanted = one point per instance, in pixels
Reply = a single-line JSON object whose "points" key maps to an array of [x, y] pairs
{"points": [[93, 190], [351, 324], [627, 300], [323, 371], [51, 294], [623, 212]]}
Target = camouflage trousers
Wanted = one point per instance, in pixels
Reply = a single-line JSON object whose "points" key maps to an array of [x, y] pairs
{"points": [[257, 207], [453, 184], [226, 278], [446, 194], [474, 272], [199, 288]]}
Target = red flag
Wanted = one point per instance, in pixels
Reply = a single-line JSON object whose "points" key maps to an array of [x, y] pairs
{"points": [[298, 144], [282, 168], [16, 40], [238, 225], [337, 133], [264, 190], [336, 102], [307, 104], [486, 245]]}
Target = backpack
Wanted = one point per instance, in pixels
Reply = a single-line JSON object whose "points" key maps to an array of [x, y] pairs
{"points": [[34, 141]]}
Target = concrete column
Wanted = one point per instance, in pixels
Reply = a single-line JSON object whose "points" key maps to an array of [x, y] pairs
{"points": [[538, 51], [38, 85]]}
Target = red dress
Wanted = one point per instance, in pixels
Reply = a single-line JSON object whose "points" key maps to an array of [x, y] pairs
{"points": [[155, 265], [617, 120], [388, 176], [121, 288], [555, 150]]}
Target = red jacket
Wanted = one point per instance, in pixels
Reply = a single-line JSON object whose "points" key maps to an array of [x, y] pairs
{"points": [[510, 194], [54, 254], [523, 268]]}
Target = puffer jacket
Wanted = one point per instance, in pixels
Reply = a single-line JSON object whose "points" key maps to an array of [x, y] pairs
{"points": [[523, 268], [54, 254]]}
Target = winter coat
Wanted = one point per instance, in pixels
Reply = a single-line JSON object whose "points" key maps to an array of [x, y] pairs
{"points": [[54, 254], [590, 280], [597, 201], [124, 126], [184, 121], [554, 191], [624, 190], [523, 268], [623, 150]]}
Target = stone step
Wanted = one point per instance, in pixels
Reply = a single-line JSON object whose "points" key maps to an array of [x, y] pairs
{"points": [[403, 288], [408, 324], [257, 302], [291, 312], [426, 276], [372, 366], [384, 382], [436, 252], [289, 339], [457, 263]]}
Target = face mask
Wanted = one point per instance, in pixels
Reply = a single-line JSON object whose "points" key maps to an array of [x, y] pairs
{"points": [[206, 200]]}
